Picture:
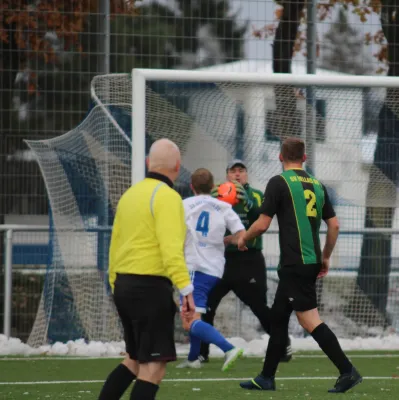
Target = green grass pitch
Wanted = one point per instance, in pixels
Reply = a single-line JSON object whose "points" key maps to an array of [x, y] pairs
{"points": [[308, 377]]}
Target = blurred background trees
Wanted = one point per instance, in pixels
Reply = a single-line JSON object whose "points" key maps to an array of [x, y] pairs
{"points": [[50, 50]]}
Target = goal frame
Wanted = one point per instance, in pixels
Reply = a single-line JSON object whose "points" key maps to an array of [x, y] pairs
{"points": [[141, 75]]}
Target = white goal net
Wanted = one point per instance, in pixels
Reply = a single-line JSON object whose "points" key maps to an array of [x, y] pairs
{"points": [[348, 124]]}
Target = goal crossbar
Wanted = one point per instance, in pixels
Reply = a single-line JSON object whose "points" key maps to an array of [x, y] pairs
{"points": [[141, 75], [271, 79]]}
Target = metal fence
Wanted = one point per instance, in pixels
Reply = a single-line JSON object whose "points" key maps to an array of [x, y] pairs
{"points": [[47, 69], [25, 267], [22, 278]]}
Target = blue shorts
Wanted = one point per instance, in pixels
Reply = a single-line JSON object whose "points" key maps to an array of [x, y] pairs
{"points": [[203, 283]]}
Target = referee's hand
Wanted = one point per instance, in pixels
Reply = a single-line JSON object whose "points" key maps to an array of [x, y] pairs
{"points": [[188, 306]]}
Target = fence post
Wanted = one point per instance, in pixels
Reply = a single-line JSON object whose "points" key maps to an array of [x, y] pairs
{"points": [[8, 283]]}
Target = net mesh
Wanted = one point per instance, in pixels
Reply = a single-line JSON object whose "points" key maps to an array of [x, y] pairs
{"points": [[213, 123], [86, 171]]}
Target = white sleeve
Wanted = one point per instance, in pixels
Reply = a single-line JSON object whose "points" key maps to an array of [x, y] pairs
{"points": [[233, 222], [186, 208]]}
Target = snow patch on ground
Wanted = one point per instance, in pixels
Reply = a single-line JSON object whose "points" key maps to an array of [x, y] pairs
{"points": [[256, 347]]}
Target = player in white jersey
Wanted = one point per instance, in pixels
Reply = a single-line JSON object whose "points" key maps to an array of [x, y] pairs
{"points": [[207, 220]]}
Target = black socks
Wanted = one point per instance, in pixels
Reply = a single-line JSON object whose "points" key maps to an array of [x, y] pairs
{"points": [[117, 383], [277, 344], [328, 342], [143, 390]]}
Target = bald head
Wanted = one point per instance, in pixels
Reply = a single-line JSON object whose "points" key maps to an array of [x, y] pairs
{"points": [[164, 157]]}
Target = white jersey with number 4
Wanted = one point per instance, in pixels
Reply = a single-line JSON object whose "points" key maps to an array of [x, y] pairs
{"points": [[207, 220]]}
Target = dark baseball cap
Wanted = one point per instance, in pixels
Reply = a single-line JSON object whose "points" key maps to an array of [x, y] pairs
{"points": [[234, 163]]}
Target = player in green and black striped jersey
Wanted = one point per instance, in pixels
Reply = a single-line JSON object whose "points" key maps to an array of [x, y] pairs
{"points": [[300, 202]]}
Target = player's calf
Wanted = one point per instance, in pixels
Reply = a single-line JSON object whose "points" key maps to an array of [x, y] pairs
{"points": [[119, 380], [200, 331], [329, 343], [148, 380], [132, 365], [309, 320], [152, 371]]}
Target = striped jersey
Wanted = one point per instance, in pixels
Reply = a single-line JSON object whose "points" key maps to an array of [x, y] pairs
{"points": [[300, 202]]}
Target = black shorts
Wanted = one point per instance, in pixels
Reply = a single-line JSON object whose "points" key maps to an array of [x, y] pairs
{"points": [[245, 267], [297, 287], [146, 308]]}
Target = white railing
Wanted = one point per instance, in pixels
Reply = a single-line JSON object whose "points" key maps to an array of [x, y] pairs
{"points": [[8, 257], [9, 230]]}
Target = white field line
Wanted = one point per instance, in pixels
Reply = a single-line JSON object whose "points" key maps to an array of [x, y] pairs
{"points": [[83, 358], [286, 378]]}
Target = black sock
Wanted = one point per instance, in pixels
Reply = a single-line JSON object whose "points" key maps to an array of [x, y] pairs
{"points": [[117, 383], [275, 348], [265, 319], [143, 390], [328, 342], [204, 350]]}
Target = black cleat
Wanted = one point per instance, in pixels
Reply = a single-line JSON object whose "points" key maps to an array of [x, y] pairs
{"points": [[259, 383], [287, 356], [346, 382]]}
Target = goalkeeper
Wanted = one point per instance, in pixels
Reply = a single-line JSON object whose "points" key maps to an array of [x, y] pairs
{"points": [[245, 272]]}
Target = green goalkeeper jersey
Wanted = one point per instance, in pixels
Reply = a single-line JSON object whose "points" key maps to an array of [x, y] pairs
{"points": [[248, 217]]}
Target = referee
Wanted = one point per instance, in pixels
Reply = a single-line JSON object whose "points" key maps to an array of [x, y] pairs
{"points": [[300, 202], [245, 272], [146, 260]]}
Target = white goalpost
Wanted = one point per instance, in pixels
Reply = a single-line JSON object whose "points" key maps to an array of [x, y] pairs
{"points": [[214, 117], [337, 142]]}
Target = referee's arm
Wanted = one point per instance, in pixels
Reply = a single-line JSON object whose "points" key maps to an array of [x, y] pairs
{"points": [[170, 227], [112, 250]]}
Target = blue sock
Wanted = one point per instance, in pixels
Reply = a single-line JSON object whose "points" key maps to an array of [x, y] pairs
{"points": [[195, 347], [207, 333]]}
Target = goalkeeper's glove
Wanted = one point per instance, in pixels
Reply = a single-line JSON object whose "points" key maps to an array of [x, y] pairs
{"points": [[242, 196], [214, 191]]}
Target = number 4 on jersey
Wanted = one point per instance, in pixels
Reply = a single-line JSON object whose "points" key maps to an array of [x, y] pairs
{"points": [[203, 223]]}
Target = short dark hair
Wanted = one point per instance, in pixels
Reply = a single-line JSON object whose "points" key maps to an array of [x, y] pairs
{"points": [[202, 181], [293, 149]]}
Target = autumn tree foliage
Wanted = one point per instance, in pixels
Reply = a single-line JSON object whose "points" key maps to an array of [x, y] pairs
{"points": [[343, 49], [41, 44], [289, 27], [25, 27], [26, 22], [51, 49]]}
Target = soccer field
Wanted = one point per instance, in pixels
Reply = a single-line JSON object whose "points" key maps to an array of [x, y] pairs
{"points": [[308, 376]]}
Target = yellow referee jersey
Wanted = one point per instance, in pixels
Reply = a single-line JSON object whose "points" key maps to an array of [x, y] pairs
{"points": [[149, 232]]}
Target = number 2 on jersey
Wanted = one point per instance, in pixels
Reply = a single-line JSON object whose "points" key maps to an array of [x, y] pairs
{"points": [[311, 203], [203, 223]]}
